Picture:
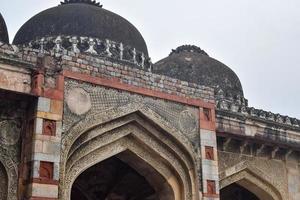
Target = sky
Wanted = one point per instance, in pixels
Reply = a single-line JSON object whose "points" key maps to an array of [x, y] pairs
{"points": [[258, 39]]}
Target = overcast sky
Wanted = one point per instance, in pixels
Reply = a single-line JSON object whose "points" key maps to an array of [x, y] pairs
{"points": [[258, 39]]}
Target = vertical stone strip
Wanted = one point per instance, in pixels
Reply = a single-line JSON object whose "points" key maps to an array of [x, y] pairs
{"points": [[46, 138], [209, 158]]}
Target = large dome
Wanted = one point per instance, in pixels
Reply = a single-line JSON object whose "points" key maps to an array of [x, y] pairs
{"points": [[81, 18], [3, 31], [190, 63]]}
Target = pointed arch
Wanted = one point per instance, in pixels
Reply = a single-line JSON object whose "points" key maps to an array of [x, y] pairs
{"points": [[138, 131], [253, 182]]}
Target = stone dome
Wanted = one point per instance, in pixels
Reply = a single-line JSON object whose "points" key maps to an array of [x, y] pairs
{"points": [[3, 31], [190, 63], [81, 18]]}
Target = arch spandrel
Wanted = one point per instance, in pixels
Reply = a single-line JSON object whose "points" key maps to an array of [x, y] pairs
{"points": [[92, 121], [135, 130]]}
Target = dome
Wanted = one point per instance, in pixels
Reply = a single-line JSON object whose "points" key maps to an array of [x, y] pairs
{"points": [[81, 18], [190, 63], [3, 31]]}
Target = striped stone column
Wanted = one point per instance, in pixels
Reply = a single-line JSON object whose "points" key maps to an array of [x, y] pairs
{"points": [[43, 165], [209, 158]]}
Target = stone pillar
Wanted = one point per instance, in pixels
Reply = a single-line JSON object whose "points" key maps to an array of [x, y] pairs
{"points": [[43, 166], [209, 158]]}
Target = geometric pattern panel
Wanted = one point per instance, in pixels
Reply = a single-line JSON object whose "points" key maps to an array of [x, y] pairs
{"points": [[83, 99]]}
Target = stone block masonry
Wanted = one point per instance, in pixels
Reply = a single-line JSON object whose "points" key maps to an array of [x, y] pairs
{"points": [[121, 71]]}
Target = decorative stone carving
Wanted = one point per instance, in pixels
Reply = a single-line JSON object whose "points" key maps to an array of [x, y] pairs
{"points": [[188, 48], [95, 3], [64, 45], [134, 132], [288, 121], [223, 105], [78, 101], [234, 108], [121, 49], [49, 127], [188, 122], [74, 42], [58, 45], [107, 49], [95, 99], [3, 182], [234, 167], [91, 48], [11, 170], [9, 132], [239, 106]]}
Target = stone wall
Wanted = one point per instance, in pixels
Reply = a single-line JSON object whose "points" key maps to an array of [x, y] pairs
{"points": [[98, 66], [271, 171]]}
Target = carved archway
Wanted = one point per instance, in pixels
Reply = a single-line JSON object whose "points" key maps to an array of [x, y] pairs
{"points": [[140, 132], [251, 181], [10, 171]]}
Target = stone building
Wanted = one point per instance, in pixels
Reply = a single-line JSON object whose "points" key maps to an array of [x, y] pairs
{"points": [[85, 115]]}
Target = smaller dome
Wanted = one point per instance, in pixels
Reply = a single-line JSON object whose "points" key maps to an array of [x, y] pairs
{"points": [[3, 31], [192, 64]]}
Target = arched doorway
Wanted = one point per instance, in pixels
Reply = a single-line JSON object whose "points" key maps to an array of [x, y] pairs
{"points": [[3, 183], [237, 192], [114, 179], [248, 184], [139, 140]]}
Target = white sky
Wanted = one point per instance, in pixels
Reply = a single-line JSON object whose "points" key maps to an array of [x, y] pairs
{"points": [[258, 39]]}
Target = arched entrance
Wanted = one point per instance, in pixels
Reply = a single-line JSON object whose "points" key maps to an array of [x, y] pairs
{"points": [[121, 177], [3, 183], [249, 185], [156, 154], [236, 192]]}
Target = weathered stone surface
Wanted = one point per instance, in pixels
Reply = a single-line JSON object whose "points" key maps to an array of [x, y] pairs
{"points": [[15, 79], [78, 101], [3, 182], [10, 131], [94, 100], [43, 190]]}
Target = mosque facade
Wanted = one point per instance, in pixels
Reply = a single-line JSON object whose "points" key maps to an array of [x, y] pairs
{"points": [[86, 115]]}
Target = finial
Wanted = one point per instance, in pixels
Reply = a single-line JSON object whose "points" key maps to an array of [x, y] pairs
{"points": [[188, 48], [91, 2]]}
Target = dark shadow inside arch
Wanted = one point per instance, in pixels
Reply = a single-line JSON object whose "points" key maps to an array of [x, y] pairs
{"points": [[3, 183], [122, 177], [237, 192]]}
